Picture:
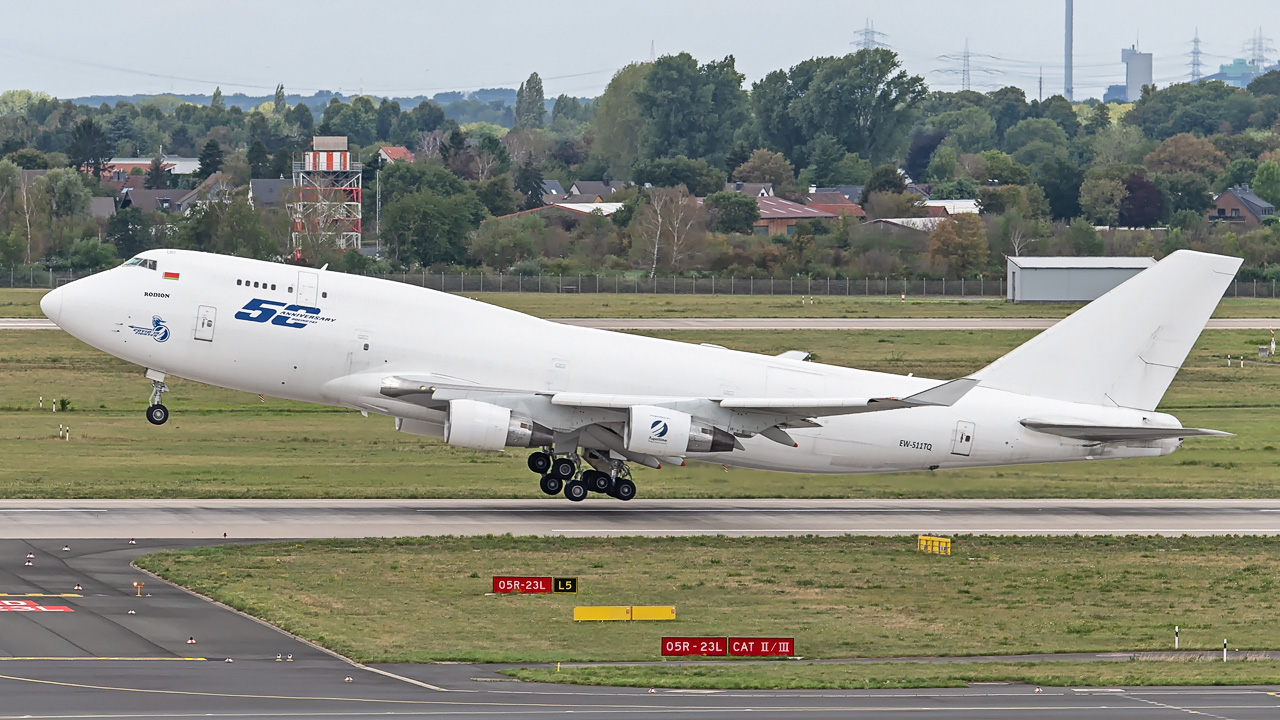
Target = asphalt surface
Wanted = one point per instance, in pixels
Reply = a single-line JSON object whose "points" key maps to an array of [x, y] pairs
{"points": [[600, 516], [791, 323], [98, 660]]}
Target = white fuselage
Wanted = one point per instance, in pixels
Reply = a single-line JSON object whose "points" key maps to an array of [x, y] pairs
{"points": [[330, 338]]}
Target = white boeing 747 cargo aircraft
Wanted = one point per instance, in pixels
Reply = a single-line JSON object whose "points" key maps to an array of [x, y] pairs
{"points": [[590, 402]]}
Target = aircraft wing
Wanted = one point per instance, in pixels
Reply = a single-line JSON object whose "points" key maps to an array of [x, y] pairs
{"points": [[1118, 433]]}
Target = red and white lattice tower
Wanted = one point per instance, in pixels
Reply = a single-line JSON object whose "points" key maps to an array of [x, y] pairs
{"points": [[327, 195]]}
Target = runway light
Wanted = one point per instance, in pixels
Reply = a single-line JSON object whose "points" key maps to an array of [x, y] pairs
{"points": [[278, 657], [31, 556], [78, 587], [1038, 691], [28, 563], [132, 541], [139, 586], [66, 548], [229, 660], [347, 679], [290, 658], [133, 612], [191, 640]]}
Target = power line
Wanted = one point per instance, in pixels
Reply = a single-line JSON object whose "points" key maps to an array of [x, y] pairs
{"points": [[1196, 64]]}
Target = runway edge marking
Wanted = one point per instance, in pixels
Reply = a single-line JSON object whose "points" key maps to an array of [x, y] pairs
{"points": [[300, 639]]}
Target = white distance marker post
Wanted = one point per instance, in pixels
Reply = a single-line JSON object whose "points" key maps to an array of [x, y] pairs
{"points": [[1224, 649], [1175, 637]]}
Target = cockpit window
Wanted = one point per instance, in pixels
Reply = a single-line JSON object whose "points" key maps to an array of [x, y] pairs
{"points": [[142, 263]]}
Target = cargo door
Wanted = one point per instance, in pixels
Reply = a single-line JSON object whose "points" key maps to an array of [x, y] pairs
{"points": [[358, 357], [205, 319]]}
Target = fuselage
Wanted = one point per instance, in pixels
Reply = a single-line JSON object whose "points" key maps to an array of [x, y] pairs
{"points": [[329, 338]]}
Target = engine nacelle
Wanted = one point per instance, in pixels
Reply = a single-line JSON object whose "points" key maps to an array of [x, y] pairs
{"points": [[485, 426], [662, 431]]}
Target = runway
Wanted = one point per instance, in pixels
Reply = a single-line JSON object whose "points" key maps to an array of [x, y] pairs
{"points": [[598, 516], [98, 660], [791, 323]]}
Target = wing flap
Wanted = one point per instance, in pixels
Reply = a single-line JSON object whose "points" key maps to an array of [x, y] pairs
{"points": [[1118, 433]]}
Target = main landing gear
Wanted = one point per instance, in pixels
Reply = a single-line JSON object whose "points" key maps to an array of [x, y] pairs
{"points": [[157, 414], [561, 474]]}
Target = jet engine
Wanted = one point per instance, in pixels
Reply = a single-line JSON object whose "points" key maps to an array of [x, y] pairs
{"points": [[485, 426], [662, 431]]}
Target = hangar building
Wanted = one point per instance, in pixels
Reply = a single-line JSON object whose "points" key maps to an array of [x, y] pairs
{"points": [[1069, 279]]}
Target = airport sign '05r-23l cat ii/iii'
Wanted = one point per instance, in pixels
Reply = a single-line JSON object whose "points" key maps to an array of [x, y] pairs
{"points": [[592, 403]]}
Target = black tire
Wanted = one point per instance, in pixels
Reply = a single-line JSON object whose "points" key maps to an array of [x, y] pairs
{"points": [[575, 490], [157, 414], [540, 463], [624, 489], [597, 481], [563, 468], [551, 485]]}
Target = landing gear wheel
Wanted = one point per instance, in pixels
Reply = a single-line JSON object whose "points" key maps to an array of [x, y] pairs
{"points": [[157, 414], [597, 481], [575, 490], [624, 489], [540, 463], [563, 468], [551, 485]]}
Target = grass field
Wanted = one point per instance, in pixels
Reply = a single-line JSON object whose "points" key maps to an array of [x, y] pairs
{"points": [[221, 443], [418, 600], [883, 676], [26, 303]]}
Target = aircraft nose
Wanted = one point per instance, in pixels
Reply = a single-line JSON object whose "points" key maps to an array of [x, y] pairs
{"points": [[51, 304]]}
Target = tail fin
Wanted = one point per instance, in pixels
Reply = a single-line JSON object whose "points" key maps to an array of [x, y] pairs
{"points": [[1124, 348]]}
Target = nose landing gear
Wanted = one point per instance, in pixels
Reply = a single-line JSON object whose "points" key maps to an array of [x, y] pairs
{"points": [[157, 414]]}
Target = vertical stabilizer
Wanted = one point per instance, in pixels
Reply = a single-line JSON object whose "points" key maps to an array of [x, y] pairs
{"points": [[1124, 348]]}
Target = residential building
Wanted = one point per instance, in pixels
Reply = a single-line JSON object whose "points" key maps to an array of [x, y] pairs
{"points": [[264, 194], [395, 153], [1069, 279], [779, 217], [924, 225], [1239, 204], [567, 208], [174, 164], [955, 207], [602, 188], [753, 189], [836, 204]]}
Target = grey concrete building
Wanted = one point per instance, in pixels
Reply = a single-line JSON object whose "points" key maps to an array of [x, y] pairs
{"points": [[1069, 279]]}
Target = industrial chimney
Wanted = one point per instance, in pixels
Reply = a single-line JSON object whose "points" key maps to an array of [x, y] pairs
{"points": [[1067, 53]]}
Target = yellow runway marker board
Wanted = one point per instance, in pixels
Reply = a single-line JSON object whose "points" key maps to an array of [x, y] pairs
{"points": [[601, 612], [653, 612]]}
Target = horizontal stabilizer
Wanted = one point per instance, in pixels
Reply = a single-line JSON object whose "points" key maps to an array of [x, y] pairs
{"points": [[1118, 433]]}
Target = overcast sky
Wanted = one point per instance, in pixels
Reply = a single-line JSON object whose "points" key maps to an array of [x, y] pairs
{"points": [[72, 48]]}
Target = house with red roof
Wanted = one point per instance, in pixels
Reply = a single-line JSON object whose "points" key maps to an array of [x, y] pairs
{"points": [[395, 153], [779, 217], [835, 203]]}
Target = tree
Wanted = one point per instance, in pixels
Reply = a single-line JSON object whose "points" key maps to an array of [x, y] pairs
{"points": [[1100, 200], [211, 159], [1143, 204], [1185, 191], [90, 149], [921, 150], [1266, 84], [886, 179], [732, 212], [259, 161], [1007, 106], [531, 104], [1099, 120], [128, 231], [943, 165], [691, 110], [491, 157], [216, 103], [431, 228], [971, 129], [158, 177], [1202, 109], [619, 123], [826, 155], [1239, 172], [280, 105], [1119, 143], [697, 176], [960, 241], [769, 167], [1034, 130], [1059, 110], [1186, 153], [497, 196], [864, 100], [1266, 181], [528, 183], [1083, 239], [668, 224]]}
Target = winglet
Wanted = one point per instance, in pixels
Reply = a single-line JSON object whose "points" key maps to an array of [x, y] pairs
{"points": [[946, 394]]}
